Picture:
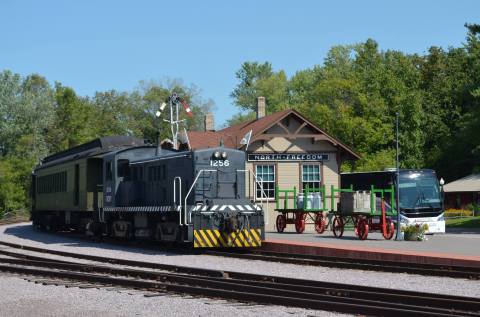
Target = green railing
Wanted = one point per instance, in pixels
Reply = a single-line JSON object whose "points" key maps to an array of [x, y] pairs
{"points": [[338, 190], [382, 192], [289, 197], [286, 198]]}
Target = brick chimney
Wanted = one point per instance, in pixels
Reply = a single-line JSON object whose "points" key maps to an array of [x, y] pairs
{"points": [[260, 107], [209, 124]]}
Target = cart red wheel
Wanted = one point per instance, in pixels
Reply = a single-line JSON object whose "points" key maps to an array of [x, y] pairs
{"points": [[362, 228], [320, 223], [338, 226], [281, 223], [390, 229], [300, 222]]}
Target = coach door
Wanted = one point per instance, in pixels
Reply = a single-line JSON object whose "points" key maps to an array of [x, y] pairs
{"points": [[94, 183]]}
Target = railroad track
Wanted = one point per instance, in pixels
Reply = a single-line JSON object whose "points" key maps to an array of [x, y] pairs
{"points": [[237, 286], [465, 272], [349, 263]]}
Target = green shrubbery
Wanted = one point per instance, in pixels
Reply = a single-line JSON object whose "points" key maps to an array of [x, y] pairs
{"points": [[451, 213]]}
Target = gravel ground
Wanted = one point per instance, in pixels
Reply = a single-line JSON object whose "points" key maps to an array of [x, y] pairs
{"points": [[23, 298], [25, 234]]}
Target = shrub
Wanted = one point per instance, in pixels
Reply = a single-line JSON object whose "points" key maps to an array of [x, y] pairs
{"points": [[450, 213]]}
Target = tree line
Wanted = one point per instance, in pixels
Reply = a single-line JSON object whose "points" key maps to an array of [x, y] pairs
{"points": [[357, 91], [38, 119], [353, 95]]}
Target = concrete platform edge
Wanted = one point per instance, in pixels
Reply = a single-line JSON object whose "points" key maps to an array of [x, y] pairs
{"points": [[286, 246]]}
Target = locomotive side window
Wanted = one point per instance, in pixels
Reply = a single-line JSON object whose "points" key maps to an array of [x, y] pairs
{"points": [[123, 168]]}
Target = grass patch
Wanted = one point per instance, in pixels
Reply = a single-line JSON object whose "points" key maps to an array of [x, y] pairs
{"points": [[467, 222], [14, 217]]}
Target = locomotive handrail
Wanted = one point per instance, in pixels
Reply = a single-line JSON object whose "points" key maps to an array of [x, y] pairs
{"points": [[179, 196], [261, 190], [188, 194]]}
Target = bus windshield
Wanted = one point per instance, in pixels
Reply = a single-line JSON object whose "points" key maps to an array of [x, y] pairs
{"points": [[419, 191]]}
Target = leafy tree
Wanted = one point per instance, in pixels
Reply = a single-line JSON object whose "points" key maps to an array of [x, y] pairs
{"points": [[246, 92]]}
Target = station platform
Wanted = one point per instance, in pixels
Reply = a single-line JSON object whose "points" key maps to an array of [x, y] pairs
{"points": [[461, 248]]}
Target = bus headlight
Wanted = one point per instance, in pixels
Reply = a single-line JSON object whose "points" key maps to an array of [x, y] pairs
{"points": [[224, 155], [216, 155]]}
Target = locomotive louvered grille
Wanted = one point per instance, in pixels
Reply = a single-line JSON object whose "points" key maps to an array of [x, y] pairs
{"points": [[141, 209], [245, 238]]}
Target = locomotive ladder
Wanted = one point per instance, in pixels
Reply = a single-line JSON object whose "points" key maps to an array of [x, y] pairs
{"points": [[185, 207], [259, 183]]}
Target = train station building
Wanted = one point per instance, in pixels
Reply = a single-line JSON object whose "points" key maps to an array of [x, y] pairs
{"points": [[286, 150]]}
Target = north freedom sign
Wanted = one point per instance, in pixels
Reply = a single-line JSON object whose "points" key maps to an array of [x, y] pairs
{"points": [[288, 157]]}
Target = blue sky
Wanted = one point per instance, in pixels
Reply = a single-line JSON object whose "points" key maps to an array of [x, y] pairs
{"points": [[101, 45]]}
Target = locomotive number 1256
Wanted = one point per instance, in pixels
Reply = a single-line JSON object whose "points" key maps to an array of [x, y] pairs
{"points": [[219, 163]]}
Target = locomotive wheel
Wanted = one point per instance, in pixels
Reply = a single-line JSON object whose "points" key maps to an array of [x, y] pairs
{"points": [[320, 223], [362, 229], [390, 229], [300, 222], [338, 226], [281, 223]]}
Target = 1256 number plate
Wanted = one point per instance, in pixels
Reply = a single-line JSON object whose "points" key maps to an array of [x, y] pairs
{"points": [[219, 163]]}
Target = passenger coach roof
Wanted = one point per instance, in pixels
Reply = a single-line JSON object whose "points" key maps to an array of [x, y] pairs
{"points": [[96, 147]]}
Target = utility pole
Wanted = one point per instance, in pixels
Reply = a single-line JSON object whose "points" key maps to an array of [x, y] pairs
{"points": [[397, 171]]}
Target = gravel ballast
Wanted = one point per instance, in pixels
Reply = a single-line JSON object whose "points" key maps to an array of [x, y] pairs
{"points": [[25, 234], [23, 298]]}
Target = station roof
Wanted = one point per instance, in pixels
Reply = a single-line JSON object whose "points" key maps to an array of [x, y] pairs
{"points": [[470, 183], [232, 135]]}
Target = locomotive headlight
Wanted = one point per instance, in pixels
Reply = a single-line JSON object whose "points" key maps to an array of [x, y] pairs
{"points": [[224, 155], [217, 155]]}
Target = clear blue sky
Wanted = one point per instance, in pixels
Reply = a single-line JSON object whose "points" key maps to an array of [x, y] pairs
{"points": [[101, 45]]}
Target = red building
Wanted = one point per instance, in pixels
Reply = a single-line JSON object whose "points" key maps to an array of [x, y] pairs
{"points": [[462, 192]]}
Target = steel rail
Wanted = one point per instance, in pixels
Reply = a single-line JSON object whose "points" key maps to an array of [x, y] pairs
{"points": [[338, 300], [350, 263], [214, 273]]}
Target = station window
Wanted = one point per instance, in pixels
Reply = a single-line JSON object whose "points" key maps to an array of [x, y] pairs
{"points": [[311, 176], [266, 176]]}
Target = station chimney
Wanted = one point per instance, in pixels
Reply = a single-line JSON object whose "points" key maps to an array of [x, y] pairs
{"points": [[209, 123], [260, 107]]}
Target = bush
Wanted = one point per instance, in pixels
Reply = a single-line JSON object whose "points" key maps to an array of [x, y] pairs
{"points": [[451, 213]]}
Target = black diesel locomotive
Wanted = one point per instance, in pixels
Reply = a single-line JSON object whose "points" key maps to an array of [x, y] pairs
{"points": [[120, 187]]}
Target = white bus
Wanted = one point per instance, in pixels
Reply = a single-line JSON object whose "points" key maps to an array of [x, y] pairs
{"points": [[420, 195]]}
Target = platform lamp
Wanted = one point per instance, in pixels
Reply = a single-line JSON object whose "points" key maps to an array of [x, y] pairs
{"points": [[397, 170]]}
